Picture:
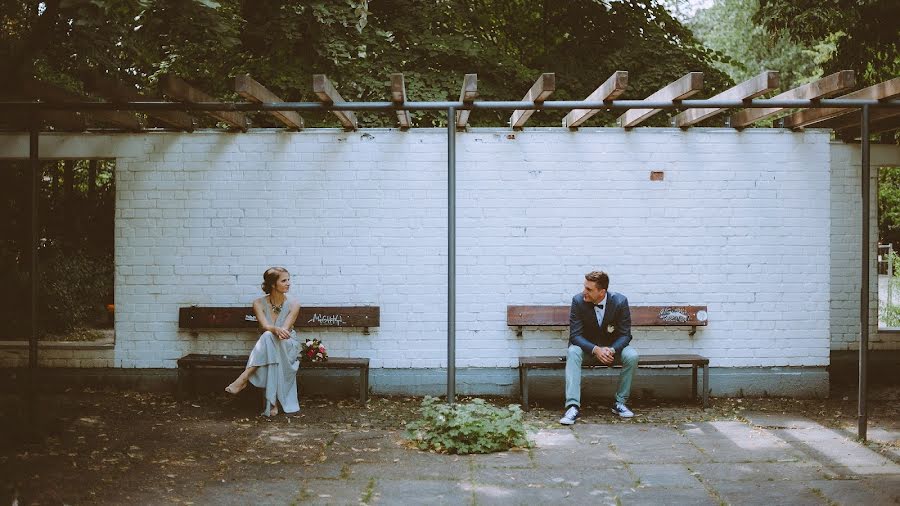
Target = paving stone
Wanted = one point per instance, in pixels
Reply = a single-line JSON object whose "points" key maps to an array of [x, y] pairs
{"points": [[574, 476], [433, 467], [668, 495], [772, 472], [853, 492], [420, 492], [519, 458], [586, 455], [843, 455], [515, 495], [731, 441], [664, 475], [755, 493]]}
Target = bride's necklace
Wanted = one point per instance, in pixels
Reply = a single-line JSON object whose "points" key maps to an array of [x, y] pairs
{"points": [[276, 309]]}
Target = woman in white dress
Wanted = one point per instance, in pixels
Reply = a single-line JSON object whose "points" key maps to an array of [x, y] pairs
{"points": [[274, 362]]}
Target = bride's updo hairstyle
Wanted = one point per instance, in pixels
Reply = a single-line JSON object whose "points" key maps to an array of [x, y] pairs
{"points": [[270, 277]]}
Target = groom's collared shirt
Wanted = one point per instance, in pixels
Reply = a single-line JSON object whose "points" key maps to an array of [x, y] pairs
{"points": [[600, 311]]}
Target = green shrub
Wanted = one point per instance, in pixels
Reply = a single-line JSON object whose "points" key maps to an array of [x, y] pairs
{"points": [[473, 427], [73, 287], [890, 315]]}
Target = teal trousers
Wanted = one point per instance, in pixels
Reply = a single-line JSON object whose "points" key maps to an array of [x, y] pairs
{"points": [[628, 359]]}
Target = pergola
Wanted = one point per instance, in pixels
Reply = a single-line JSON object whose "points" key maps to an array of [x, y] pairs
{"points": [[115, 107]]}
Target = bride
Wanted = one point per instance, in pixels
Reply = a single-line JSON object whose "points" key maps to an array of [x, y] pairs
{"points": [[273, 363]]}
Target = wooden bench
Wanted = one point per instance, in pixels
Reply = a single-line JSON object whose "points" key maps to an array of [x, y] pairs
{"points": [[196, 318], [641, 316]]}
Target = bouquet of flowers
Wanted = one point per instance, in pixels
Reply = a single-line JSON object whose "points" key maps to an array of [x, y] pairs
{"points": [[313, 351]]}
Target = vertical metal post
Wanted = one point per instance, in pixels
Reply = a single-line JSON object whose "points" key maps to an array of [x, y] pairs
{"points": [[864, 287], [451, 255]]}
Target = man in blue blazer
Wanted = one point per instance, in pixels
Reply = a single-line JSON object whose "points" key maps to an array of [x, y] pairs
{"points": [[599, 327]]}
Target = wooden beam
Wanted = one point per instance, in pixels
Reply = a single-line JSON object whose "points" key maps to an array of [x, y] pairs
{"points": [[807, 117], [248, 88], [115, 91], [52, 93], [609, 90], [827, 86], [323, 88], [542, 88], [468, 95], [847, 126], [764, 82], [178, 89], [398, 97], [690, 83]]}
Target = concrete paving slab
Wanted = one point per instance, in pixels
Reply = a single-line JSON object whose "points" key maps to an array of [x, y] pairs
{"points": [[574, 476], [509, 495], [756, 493], [664, 475], [643, 495], [843, 455], [774, 472], [733, 441], [853, 492], [520, 458], [418, 492], [432, 467]]}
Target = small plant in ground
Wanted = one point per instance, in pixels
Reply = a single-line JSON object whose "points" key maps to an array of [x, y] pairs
{"points": [[472, 427]]}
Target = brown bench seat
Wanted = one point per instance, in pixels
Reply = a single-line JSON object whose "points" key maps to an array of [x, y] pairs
{"points": [[641, 316], [195, 318]]}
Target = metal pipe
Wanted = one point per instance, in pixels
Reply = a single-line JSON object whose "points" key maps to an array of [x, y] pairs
{"points": [[451, 255], [485, 105], [864, 285]]}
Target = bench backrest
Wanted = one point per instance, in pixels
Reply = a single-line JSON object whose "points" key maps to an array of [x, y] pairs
{"points": [[196, 317], [641, 316]]}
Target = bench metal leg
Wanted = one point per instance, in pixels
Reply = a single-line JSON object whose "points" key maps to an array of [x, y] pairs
{"points": [[705, 386], [523, 387], [363, 385], [693, 382], [180, 387]]}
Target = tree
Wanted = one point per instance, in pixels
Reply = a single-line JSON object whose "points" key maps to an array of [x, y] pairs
{"points": [[747, 48], [866, 32], [433, 42], [889, 206]]}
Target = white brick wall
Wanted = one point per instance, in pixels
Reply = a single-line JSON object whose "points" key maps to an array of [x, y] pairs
{"points": [[741, 223], [846, 209]]}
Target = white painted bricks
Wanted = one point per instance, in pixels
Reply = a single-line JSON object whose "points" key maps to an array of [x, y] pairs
{"points": [[741, 223]]}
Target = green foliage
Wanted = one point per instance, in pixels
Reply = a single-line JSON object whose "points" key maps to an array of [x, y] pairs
{"points": [[747, 49], [73, 287], [472, 427], [358, 44], [889, 206], [866, 32]]}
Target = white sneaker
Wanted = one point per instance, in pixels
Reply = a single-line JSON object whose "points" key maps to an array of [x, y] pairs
{"points": [[570, 416], [622, 410]]}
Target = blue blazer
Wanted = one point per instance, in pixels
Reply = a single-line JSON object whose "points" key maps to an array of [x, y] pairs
{"points": [[585, 332]]}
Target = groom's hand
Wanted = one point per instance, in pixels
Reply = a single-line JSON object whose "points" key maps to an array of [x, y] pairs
{"points": [[606, 356]]}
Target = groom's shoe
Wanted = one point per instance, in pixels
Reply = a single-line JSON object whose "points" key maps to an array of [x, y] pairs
{"points": [[570, 416], [622, 410]]}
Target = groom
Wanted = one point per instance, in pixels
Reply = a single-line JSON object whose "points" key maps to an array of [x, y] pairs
{"points": [[599, 327]]}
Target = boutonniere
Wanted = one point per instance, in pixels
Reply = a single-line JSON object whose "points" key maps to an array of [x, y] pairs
{"points": [[610, 329]]}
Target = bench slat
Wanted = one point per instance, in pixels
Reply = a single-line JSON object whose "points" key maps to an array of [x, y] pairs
{"points": [[558, 362], [204, 360], [641, 316], [196, 317]]}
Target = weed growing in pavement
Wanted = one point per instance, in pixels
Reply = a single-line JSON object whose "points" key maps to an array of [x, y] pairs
{"points": [[471, 427]]}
